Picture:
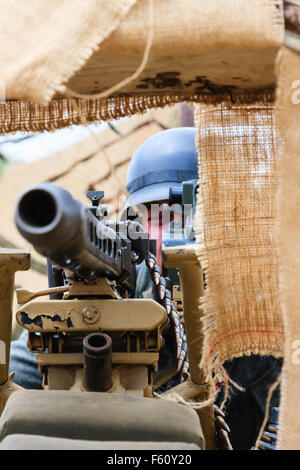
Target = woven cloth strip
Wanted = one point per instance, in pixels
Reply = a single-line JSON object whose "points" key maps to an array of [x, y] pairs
{"points": [[42, 44], [91, 45], [236, 212]]}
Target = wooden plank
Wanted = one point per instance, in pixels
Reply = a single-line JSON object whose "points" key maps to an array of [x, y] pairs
{"points": [[77, 359], [198, 48]]}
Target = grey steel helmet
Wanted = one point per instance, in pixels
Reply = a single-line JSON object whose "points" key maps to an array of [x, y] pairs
{"points": [[162, 161]]}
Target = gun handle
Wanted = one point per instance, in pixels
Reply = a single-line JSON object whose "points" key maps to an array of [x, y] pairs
{"points": [[11, 260]]}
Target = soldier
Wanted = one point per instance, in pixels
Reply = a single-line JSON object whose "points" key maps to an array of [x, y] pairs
{"points": [[23, 364], [162, 162]]}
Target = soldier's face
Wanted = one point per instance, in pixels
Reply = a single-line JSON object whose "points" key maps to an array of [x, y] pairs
{"points": [[156, 220]]}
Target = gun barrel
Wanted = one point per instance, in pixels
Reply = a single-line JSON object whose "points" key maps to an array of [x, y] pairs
{"points": [[70, 235], [97, 352], [44, 212]]}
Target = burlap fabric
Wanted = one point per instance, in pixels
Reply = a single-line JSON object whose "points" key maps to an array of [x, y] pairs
{"points": [[225, 50], [237, 154], [288, 223], [198, 49], [44, 43], [27, 116]]}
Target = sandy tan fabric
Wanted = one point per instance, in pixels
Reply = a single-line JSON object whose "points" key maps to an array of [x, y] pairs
{"points": [[237, 154], [28, 116], [288, 229], [222, 48], [198, 48], [42, 44], [77, 168]]}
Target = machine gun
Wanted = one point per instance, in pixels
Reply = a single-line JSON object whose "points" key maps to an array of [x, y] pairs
{"points": [[95, 336], [77, 237]]}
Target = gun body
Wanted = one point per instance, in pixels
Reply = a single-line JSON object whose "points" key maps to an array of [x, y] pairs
{"points": [[72, 236], [98, 265]]}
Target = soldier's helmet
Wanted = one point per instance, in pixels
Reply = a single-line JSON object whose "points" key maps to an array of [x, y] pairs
{"points": [[164, 160]]}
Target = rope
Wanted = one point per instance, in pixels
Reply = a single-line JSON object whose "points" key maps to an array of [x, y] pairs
{"points": [[269, 396], [131, 78]]}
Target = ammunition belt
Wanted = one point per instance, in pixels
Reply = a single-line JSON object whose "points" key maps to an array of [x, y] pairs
{"points": [[268, 439], [164, 296]]}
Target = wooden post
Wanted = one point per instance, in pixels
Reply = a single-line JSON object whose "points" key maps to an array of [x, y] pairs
{"points": [[10, 261], [191, 281]]}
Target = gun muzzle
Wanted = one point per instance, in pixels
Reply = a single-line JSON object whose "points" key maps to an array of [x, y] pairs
{"points": [[97, 352], [48, 217]]}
